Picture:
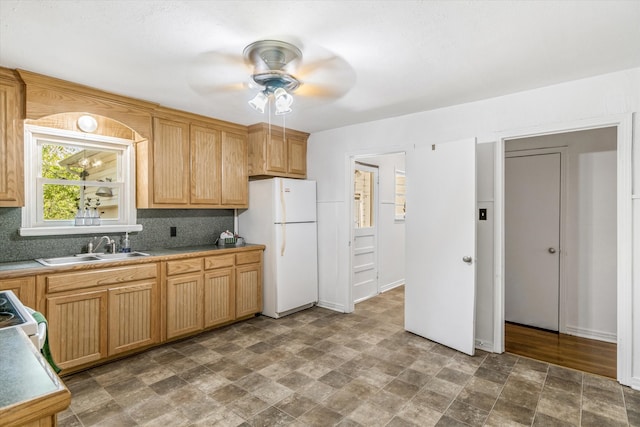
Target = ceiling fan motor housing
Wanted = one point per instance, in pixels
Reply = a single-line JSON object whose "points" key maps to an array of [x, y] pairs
{"points": [[270, 60]]}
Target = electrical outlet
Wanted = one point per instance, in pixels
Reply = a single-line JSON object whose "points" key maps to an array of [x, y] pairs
{"points": [[173, 231]]}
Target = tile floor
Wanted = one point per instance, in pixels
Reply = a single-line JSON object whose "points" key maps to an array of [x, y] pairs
{"points": [[322, 368]]}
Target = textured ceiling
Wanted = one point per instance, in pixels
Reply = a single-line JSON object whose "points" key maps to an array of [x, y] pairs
{"points": [[396, 57]]}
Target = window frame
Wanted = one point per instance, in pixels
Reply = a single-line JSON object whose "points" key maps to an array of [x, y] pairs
{"points": [[32, 222]]}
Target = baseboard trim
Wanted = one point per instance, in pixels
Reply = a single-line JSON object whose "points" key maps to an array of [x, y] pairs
{"points": [[591, 334], [484, 345], [391, 285], [331, 306]]}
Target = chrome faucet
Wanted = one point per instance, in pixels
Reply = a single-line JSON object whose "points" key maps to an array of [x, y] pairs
{"points": [[109, 241]]}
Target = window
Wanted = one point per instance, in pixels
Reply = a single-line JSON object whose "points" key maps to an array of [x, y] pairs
{"points": [[400, 200], [77, 183], [363, 208]]}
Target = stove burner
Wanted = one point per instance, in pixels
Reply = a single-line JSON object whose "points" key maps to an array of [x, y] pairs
{"points": [[6, 317], [3, 301]]}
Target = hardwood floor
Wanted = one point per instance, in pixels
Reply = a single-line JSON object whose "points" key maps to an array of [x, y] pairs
{"points": [[587, 355]]}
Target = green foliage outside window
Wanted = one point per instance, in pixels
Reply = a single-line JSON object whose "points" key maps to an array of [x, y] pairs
{"points": [[59, 200]]}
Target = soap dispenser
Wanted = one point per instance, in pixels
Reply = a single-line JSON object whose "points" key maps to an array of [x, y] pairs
{"points": [[126, 243]]}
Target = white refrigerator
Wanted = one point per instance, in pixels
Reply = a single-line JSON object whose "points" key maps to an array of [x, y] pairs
{"points": [[282, 216]]}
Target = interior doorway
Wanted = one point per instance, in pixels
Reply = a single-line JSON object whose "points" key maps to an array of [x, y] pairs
{"points": [[365, 231], [376, 224], [574, 254]]}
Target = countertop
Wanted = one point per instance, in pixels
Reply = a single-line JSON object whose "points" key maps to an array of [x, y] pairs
{"points": [[27, 267], [30, 388]]}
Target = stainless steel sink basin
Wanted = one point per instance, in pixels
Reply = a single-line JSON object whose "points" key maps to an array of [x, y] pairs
{"points": [[68, 260], [87, 258], [122, 255]]}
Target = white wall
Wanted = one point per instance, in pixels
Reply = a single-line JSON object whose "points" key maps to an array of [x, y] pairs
{"points": [[328, 152], [590, 251]]}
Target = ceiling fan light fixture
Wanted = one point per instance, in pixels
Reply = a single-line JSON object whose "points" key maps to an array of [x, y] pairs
{"points": [[104, 192], [259, 101], [283, 101]]}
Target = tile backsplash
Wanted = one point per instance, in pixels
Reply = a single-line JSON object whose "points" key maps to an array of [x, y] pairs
{"points": [[193, 227]]}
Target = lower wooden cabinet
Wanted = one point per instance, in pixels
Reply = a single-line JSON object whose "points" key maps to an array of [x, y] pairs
{"points": [[98, 314], [23, 287], [184, 304], [219, 297], [93, 315], [78, 327], [249, 290], [133, 316], [209, 291]]}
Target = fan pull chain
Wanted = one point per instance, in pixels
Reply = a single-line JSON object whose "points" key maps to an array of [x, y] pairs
{"points": [[269, 121]]}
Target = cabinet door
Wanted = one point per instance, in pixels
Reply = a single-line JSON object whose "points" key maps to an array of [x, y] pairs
{"points": [[133, 316], [170, 162], [248, 290], [184, 304], [77, 328], [11, 145], [219, 297], [297, 159], [235, 179], [276, 153], [206, 178], [23, 287]]}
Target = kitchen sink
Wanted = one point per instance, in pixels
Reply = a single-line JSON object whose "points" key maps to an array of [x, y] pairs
{"points": [[122, 255], [88, 258], [68, 260]]}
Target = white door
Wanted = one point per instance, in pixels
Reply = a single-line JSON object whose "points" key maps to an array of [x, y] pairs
{"points": [[532, 239], [364, 254], [440, 289]]}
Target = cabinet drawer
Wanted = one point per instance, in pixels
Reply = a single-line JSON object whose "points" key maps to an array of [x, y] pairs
{"points": [[248, 257], [112, 276], [213, 262], [191, 265]]}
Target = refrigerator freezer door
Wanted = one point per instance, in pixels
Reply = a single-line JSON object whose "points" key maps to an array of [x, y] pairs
{"points": [[295, 200], [296, 258]]}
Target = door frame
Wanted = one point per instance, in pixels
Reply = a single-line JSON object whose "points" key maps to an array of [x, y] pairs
{"points": [[562, 276], [623, 123]]}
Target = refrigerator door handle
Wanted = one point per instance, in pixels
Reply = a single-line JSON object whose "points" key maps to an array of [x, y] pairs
{"points": [[284, 238], [284, 218]]}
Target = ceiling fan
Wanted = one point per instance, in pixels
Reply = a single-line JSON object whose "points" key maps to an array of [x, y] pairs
{"points": [[277, 69], [272, 63]]}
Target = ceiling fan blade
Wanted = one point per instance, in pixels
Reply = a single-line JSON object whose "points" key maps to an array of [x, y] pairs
{"points": [[208, 89], [217, 71], [320, 91], [329, 77]]}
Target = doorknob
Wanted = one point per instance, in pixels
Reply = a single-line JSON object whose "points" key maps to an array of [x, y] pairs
{"points": [[552, 250], [467, 259]]}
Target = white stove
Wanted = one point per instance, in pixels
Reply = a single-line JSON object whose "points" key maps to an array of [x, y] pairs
{"points": [[13, 314]]}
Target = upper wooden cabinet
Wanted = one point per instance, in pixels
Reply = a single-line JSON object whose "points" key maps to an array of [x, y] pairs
{"points": [[171, 172], [183, 160], [11, 145], [192, 164], [275, 151]]}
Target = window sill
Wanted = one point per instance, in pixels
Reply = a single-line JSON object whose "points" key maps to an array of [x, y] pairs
{"points": [[98, 229]]}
